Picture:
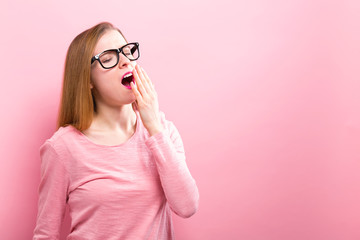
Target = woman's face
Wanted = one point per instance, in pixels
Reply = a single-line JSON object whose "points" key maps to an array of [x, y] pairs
{"points": [[106, 83]]}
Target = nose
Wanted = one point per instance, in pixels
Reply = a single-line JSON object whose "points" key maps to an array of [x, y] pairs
{"points": [[124, 62]]}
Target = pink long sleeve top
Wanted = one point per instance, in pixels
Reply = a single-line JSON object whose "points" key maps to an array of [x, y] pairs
{"points": [[117, 192]]}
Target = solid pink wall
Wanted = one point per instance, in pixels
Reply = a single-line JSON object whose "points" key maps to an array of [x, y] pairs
{"points": [[264, 93]]}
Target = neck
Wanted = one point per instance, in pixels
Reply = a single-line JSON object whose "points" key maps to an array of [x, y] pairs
{"points": [[121, 118]]}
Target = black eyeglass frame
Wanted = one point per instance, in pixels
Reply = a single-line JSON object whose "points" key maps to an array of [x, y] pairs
{"points": [[118, 50]]}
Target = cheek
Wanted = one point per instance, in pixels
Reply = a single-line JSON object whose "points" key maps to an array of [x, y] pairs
{"points": [[104, 83], [95, 81], [97, 78], [93, 76]]}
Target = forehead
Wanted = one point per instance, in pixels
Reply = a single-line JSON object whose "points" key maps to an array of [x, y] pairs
{"points": [[110, 40]]}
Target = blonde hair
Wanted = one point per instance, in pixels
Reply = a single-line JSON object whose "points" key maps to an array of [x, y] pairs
{"points": [[77, 105]]}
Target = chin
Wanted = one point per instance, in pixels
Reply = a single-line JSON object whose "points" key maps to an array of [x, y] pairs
{"points": [[132, 100]]}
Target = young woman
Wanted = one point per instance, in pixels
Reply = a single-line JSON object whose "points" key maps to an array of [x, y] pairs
{"points": [[114, 159]]}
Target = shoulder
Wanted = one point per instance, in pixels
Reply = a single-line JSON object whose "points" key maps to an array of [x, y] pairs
{"points": [[59, 139]]}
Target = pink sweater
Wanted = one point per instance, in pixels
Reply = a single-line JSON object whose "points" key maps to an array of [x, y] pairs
{"points": [[117, 192]]}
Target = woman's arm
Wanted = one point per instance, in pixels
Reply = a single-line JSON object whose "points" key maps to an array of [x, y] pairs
{"points": [[167, 147], [53, 190], [179, 186]]}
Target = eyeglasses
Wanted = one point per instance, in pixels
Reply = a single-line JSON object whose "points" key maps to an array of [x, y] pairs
{"points": [[110, 58]]}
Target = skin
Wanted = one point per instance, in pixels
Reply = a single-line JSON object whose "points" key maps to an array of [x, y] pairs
{"points": [[115, 120]]}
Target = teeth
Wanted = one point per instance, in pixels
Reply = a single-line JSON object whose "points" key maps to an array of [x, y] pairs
{"points": [[128, 75]]}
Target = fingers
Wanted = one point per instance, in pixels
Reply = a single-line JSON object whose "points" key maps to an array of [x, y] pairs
{"points": [[145, 86], [135, 90], [150, 84], [134, 106], [144, 79], [139, 83]]}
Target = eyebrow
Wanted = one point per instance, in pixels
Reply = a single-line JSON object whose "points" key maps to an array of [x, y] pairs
{"points": [[114, 48]]}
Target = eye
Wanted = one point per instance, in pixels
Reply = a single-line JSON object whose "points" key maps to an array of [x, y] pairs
{"points": [[105, 60], [108, 57], [127, 51]]}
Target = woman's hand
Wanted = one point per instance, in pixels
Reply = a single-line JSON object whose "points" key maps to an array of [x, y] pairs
{"points": [[146, 101]]}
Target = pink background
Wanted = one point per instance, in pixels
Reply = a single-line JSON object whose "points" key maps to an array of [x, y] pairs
{"points": [[265, 94]]}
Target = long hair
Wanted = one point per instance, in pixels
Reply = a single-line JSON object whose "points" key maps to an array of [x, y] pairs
{"points": [[77, 105]]}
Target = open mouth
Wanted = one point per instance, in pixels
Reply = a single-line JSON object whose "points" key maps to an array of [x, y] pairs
{"points": [[127, 79]]}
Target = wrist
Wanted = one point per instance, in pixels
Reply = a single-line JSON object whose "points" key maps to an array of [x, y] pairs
{"points": [[156, 129]]}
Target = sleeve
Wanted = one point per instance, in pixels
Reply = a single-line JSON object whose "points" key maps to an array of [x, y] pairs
{"points": [[53, 189], [179, 186]]}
